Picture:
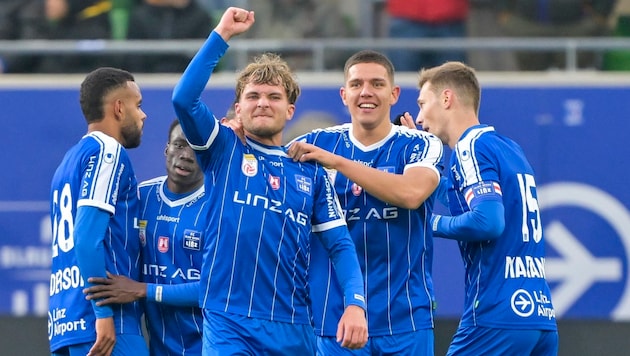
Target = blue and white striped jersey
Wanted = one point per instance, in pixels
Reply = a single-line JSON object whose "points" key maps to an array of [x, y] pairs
{"points": [[172, 231], [95, 172], [505, 278], [394, 245], [264, 208]]}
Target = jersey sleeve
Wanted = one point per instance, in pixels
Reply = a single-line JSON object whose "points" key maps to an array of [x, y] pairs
{"points": [[89, 232], [198, 123], [425, 151], [182, 294]]}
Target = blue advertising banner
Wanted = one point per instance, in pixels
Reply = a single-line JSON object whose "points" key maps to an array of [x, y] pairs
{"points": [[574, 136]]}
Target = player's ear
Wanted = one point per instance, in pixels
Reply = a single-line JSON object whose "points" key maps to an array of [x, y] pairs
{"points": [[290, 111], [166, 149], [342, 94]]}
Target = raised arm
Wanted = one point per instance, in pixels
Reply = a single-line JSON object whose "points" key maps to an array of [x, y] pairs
{"points": [[197, 121]]}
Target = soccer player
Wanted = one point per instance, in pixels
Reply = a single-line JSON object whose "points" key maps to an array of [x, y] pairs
{"points": [[172, 224], [254, 278], [491, 195], [94, 209], [384, 176]]}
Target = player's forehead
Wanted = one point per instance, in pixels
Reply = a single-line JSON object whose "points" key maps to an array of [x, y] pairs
{"points": [[264, 89], [367, 72], [177, 133]]}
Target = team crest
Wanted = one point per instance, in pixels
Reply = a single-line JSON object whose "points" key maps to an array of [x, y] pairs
{"points": [[142, 231], [275, 182], [192, 240], [163, 244], [356, 189], [249, 166]]}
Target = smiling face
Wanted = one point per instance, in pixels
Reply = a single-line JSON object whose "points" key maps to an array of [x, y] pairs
{"points": [[369, 94], [184, 174]]}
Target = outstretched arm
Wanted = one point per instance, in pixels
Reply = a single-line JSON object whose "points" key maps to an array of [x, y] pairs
{"points": [[416, 183], [117, 289]]}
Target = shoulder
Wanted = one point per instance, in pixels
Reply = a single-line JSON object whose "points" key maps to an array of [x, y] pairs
{"points": [[152, 182]]}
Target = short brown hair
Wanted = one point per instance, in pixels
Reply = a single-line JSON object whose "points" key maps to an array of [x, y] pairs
{"points": [[457, 76], [270, 69]]}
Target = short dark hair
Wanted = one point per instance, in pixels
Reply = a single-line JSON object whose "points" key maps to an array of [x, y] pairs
{"points": [[369, 56], [172, 127], [96, 85]]}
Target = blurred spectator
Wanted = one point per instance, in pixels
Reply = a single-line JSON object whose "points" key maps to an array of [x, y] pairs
{"points": [[418, 19], [21, 20], [482, 22], [166, 19], [554, 18], [296, 19], [77, 20]]}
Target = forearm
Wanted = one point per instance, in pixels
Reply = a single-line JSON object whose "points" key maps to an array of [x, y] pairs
{"points": [[183, 294], [408, 190], [89, 232], [195, 118], [342, 254], [485, 221]]}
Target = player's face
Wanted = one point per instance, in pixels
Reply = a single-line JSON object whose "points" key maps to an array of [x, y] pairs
{"points": [[184, 174], [264, 110], [133, 120], [431, 112], [369, 94]]}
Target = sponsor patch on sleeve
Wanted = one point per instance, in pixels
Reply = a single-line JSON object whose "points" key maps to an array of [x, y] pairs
{"points": [[482, 189]]}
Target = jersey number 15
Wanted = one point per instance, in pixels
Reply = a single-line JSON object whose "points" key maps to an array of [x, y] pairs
{"points": [[531, 212]]}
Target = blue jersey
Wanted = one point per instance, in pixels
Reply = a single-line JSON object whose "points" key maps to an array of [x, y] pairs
{"points": [[172, 232], [505, 278], [394, 245], [265, 207], [95, 172]]}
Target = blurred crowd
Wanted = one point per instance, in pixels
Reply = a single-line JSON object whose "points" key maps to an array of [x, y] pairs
{"points": [[299, 19]]}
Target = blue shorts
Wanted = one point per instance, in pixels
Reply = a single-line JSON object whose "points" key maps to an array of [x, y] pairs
{"points": [[420, 343], [490, 341], [125, 345], [233, 334]]}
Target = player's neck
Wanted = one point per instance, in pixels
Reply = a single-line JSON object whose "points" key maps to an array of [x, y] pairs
{"points": [[369, 135]]}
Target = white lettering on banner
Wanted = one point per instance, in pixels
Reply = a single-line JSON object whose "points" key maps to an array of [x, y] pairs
{"points": [[530, 267], [577, 270], [25, 257]]}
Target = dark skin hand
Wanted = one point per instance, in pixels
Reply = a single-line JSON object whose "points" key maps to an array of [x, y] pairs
{"points": [[114, 290]]}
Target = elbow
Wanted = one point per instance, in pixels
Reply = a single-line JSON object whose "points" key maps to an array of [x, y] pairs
{"points": [[179, 101], [413, 199], [495, 230]]}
